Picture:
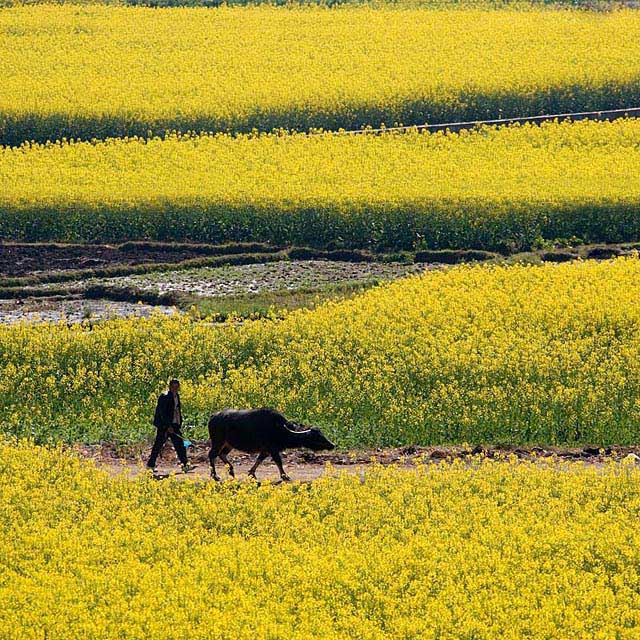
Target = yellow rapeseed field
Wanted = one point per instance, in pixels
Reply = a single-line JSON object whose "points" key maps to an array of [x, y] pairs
{"points": [[475, 550], [472, 354], [97, 71], [490, 188]]}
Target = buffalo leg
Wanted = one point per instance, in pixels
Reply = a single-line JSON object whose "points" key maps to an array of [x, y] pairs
{"points": [[223, 456], [278, 460], [213, 454], [261, 456], [218, 444], [217, 447]]}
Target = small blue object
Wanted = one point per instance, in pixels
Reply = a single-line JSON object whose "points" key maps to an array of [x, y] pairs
{"points": [[187, 444]]}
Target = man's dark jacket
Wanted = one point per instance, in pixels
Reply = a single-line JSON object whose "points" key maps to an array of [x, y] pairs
{"points": [[163, 417]]}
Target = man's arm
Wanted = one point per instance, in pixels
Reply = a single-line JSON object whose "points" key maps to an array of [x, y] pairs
{"points": [[161, 419], [167, 410]]}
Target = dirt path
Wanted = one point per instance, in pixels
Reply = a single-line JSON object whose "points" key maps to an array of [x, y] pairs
{"points": [[267, 472], [307, 466]]}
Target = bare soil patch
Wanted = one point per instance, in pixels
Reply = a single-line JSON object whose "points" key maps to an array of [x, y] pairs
{"points": [[75, 282], [246, 290], [56, 309], [28, 259], [259, 278]]}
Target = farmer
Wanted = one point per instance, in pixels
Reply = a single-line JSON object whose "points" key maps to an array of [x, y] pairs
{"points": [[168, 420]]}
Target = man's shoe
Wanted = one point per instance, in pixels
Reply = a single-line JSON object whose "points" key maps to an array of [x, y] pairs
{"points": [[153, 470], [187, 467]]}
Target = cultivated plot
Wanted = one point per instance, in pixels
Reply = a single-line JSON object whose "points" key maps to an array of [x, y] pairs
{"points": [[495, 189], [135, 70]]}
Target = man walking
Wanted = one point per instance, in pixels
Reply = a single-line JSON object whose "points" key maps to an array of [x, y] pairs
{"points": [[168, 421]]}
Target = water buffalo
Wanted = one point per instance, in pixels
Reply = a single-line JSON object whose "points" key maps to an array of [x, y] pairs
{"points": [[262, 431]]}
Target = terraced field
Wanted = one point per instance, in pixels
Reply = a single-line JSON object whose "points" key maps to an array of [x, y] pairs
{"points": [[470, 354], [138, 71], [495, 189], [91, 283]]}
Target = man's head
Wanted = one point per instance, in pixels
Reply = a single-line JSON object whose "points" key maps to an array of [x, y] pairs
{"points": [[174, 385]]}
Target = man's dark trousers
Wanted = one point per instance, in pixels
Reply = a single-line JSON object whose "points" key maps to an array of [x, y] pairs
{"points": [[161, 437]]}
